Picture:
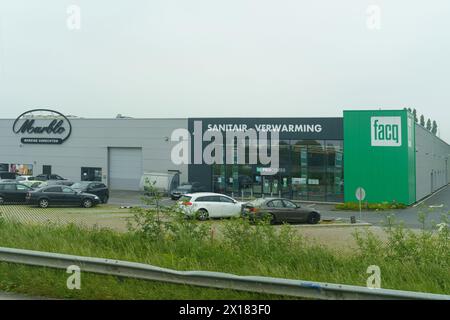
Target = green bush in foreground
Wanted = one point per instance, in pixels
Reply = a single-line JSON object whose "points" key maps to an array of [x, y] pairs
{"points": [[408, 261], [354, 206]]}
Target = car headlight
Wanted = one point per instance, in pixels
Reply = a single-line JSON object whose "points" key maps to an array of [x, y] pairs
{"points": [[96, 198]]}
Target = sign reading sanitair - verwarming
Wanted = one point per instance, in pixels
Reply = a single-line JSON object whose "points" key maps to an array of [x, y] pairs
{"points": [[42, 126], [386, 131]]}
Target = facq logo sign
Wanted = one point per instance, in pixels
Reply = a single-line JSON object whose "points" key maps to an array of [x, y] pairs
{"points": [[42, 126], [386, 131]]}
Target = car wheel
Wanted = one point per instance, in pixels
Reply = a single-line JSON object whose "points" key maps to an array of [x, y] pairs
{"points": [[105, 199], [43, 203], [202, 215], [2, 201], [313, 218], [271, 218], [87, 203]]}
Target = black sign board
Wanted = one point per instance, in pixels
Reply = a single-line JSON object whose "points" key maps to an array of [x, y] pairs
{"points": [[42, 126]]}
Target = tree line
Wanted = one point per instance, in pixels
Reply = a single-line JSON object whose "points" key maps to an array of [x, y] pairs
{"points": [[429, 125]]}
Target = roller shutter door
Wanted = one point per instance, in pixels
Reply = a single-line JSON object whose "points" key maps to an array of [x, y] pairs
{"points": [[125, 168]]}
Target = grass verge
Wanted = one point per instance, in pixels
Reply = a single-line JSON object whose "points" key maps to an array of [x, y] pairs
{"points": [[408, 261]]}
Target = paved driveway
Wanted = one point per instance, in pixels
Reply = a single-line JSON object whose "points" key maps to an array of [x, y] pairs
{"points": [[434, 208]]}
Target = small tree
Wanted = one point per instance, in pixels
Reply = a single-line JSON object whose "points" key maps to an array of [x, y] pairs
{"points": [[422, 121], [429, 125], [148, 219], [415, 116], [434, 129]]}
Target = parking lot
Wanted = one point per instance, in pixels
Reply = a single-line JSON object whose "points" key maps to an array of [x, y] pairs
{"points": [[116, 213]]}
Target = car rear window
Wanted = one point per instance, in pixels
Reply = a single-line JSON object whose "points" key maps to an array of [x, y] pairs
{"points": [[208, 199], [276, 204], [185, 199]]}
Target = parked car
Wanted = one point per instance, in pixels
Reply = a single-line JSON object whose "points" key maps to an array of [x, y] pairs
{"points": [[35, 184], [204, 205], [61, 195], [13, 192], [279, 210], [45, 177], [22, 179], [93, 187], [67, 183], [53, 178], [185, 188]]}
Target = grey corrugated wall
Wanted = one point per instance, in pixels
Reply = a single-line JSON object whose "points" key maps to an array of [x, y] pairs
{"points": [[432, 162]]}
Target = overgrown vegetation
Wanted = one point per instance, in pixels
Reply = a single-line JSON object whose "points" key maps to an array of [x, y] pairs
{"points": [[408, 260], [354, 206]]}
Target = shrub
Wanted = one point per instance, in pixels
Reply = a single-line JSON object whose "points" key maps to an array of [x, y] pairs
{"points": [[354, 206]]}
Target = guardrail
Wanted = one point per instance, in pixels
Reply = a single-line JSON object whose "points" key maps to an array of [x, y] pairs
{"points": [[268, 285]]}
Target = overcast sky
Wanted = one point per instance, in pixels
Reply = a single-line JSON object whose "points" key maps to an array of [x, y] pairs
{"points": [[190, 58]]}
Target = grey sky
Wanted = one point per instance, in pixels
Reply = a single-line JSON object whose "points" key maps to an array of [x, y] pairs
{"points": [[181, 58]]}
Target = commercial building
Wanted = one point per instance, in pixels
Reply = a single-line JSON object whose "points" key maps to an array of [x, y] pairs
{"points": [[320, 159]]}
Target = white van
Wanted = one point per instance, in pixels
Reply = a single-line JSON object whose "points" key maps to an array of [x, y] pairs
{"points": [[163, 182]]}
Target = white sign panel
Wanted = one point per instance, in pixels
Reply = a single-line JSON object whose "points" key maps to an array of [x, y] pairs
{"points": [[386, 131], [360, 194]]}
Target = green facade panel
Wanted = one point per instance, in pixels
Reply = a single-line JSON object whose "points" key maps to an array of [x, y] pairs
{"points": [[379, 150]]}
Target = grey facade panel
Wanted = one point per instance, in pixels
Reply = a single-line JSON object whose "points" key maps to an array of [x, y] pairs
{"points": [[432, 163], [88, 146]]}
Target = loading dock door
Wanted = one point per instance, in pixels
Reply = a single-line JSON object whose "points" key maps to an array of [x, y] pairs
{"points": [[125, 168]]}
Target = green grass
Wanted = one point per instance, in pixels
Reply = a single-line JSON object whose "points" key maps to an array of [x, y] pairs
{"points": [[51, 283], [354, 206], [408, 262]]}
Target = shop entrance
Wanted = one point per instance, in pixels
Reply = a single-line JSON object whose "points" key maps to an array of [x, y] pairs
{"points": [[275, 186]]}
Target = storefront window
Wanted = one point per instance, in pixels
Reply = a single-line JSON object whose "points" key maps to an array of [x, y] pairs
{"points": [[308, 170]]}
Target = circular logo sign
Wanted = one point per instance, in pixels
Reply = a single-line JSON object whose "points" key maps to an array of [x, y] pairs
{"points": [[42, 126]]}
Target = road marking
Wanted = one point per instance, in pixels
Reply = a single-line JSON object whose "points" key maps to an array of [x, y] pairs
{"points": [[437, 206], [430, 196]]}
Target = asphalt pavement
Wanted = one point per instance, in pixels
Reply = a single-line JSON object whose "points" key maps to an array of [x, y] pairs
{"points": [[434, 208]]}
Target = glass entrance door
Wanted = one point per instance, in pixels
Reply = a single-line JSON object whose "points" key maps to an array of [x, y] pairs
{"points": [[272, 185]]}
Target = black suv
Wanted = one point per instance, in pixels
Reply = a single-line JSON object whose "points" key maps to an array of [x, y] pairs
{"points": [[93, 187], [12, 192]]}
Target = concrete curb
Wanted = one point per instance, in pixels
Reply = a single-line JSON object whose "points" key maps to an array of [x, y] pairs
{"points": [[334, 225]]}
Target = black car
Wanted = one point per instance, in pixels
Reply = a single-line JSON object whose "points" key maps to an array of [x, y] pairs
{"points": [[185, 188], [12, 192], [278, 210], [93, 187], [46, 177], [61, 195]]}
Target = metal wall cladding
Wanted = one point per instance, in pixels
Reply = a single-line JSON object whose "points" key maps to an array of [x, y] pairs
{"points": [[386, 172], [432, 162]]}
